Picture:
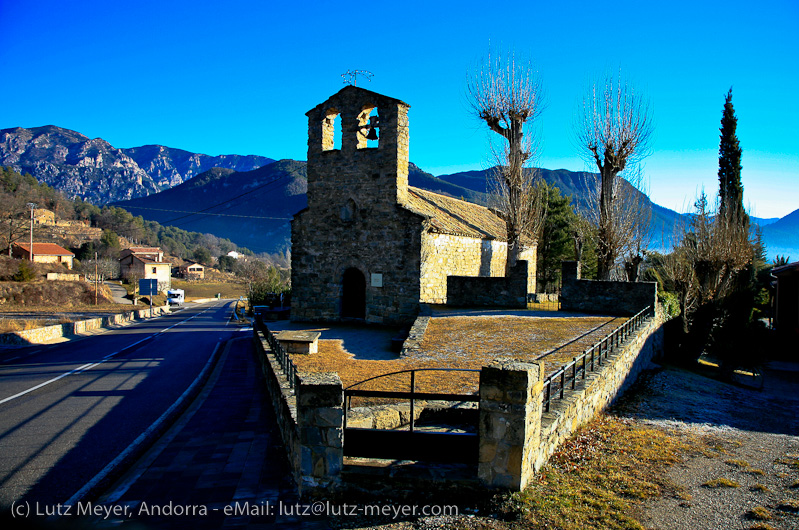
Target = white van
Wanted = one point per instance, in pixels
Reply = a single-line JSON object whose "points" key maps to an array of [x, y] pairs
{"points": [[175, 296]]}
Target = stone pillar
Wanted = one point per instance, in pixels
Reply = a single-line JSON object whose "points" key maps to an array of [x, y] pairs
{"points": [[510, 423], [570, 271], [320, 419]]}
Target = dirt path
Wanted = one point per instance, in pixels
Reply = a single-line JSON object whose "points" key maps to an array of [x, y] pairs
{"points": [[755, 470]]}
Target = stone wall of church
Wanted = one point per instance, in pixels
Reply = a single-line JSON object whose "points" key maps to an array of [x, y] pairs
{"points": [[385, 248], [446, 255]]}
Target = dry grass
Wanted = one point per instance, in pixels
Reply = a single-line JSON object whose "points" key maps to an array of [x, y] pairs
{"points": [[789, 505], [12, 325], [789, 461], [596, 480], [758, 513], [756, 472], [50, 296], [209, 289], [332, 357], [740, 464], [721, 482], [472, 342], [760, 488]]}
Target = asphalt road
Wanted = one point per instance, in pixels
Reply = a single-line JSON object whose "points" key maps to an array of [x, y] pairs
{"points": [[119, 293], [58, 432]]}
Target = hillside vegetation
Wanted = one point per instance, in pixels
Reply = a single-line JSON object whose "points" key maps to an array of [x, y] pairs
{"points": [[18, 190]]}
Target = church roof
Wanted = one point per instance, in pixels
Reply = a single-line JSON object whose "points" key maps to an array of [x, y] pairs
{"points": [[353, 91], [453, 216]]}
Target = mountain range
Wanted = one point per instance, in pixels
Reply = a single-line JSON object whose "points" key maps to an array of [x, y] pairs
{"points": [[97, 172], [250, 199]]}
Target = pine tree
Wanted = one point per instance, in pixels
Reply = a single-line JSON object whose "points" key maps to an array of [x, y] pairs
{"points": [[555, 243], [731, 191]]}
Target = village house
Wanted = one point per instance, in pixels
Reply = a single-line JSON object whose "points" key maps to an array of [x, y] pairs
{"points": [[43, 253], [138, 263], [191, 270], [369, 246], [151, 253], [786, 303], [42, 216]]}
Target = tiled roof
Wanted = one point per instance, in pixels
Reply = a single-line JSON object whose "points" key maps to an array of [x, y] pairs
{"points": [[45, 249], [145, 250], [149, 261], [453, 216]]}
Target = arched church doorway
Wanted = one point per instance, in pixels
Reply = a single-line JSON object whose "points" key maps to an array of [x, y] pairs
{"points": [[353, 294]]}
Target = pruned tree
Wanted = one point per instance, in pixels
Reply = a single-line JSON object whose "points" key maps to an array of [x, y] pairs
{"points": [[613, 130], [507, 96], [711, 272]]}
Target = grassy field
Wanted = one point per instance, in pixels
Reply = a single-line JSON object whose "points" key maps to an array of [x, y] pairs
{"points": [[200, 289]]}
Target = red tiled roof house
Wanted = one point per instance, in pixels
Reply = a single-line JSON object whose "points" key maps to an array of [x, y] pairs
{"points": [[43, 253]]}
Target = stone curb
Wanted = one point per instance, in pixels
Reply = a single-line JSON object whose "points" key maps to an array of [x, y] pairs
{"points": [[47, 333]]}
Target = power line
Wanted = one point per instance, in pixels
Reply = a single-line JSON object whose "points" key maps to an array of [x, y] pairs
{"points": [[202, 212], [206, 213]]}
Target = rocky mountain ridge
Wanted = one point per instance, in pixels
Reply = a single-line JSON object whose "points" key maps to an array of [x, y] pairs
{"points": [[157, 180], [98, 172]]}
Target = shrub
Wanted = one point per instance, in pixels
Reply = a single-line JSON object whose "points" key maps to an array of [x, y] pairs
{"points": [[670, 303], [25, 273]]}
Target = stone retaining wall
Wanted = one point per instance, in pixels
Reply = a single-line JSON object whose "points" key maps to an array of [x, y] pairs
{"points": [[613, 298], [516, 435], [600, 388], [63, 276], [504, 291], [70, 329], [284, 402], [310, 417]]}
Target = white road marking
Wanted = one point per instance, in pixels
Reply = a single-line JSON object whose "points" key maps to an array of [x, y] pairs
{"points": [[89, 366], [143, 436]]}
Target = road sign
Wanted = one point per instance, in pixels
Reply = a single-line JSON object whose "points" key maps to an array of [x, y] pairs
{"points": [[148, 287]]}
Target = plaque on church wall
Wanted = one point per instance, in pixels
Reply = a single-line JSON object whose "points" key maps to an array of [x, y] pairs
{"points": [[377, 280]]}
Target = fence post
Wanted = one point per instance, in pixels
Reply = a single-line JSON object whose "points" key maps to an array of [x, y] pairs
{"points": [[320, 418], [510, 423]]}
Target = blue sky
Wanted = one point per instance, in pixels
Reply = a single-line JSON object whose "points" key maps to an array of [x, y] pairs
{"points": [[238, 76]]}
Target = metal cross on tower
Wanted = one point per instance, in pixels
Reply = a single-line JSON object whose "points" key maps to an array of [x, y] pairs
{"points": [[351, 76]]}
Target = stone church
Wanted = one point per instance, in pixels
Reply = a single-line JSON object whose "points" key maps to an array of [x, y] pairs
{"points": [[369, 246]]}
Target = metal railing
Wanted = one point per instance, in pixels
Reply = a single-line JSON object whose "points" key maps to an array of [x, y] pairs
{"points": [[412, 395], [591, 359], [283, 358]]}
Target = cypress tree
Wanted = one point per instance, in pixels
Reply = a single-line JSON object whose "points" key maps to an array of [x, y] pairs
{"points": [[731, 191]]}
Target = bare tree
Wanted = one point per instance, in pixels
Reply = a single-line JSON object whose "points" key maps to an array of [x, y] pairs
{"points": [[613, 130], [507, 96], [708, 270], [14, 220]]}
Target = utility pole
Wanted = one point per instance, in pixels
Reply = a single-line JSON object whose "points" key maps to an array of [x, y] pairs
{"points": [[31, 206], [95, 278]]}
